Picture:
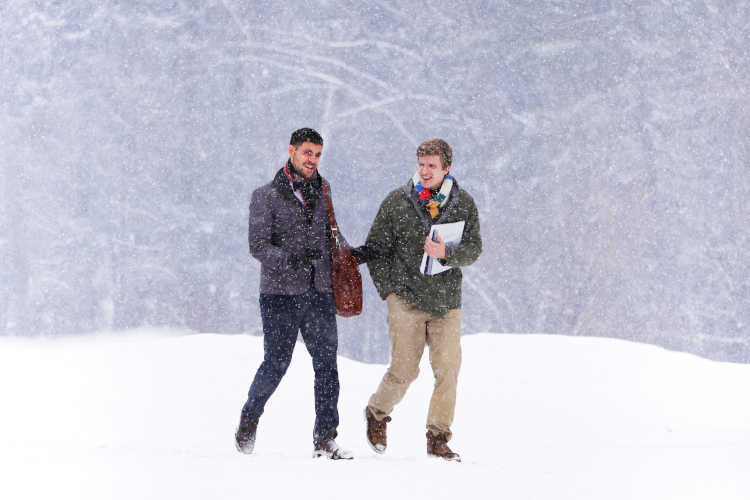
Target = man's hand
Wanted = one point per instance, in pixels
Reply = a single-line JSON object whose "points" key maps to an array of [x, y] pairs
{"points": [[366, 253], [436, 250], [304, 257]]}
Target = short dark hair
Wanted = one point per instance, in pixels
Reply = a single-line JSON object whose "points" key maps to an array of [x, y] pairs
{"points": [[305, 135], [436, 147]]}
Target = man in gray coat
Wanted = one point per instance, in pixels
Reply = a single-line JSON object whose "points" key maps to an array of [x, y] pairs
{"points": [[289, 230]]}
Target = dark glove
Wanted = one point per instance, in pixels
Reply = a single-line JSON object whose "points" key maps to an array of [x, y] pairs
{"points": [[304, 257], [366, 253]]}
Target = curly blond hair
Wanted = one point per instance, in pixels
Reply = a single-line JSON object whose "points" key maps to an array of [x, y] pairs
{"points": [[436, 147]]}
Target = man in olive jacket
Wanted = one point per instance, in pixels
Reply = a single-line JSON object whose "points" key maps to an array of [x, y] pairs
{"points": [[422, 309]]}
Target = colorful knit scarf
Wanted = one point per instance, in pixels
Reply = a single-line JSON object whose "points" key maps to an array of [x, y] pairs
{"points": [[430, 202]]}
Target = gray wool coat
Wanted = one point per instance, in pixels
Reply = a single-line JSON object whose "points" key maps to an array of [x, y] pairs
{"points": [[279, 226]]}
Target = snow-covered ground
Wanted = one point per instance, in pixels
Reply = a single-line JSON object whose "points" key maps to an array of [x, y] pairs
{"points": [[152, 415]]}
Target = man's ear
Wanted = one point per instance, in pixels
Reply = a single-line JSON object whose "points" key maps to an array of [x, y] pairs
{"points": [[291, 151]]}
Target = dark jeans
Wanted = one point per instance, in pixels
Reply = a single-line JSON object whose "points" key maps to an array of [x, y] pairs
{"points": [[314, 315]]}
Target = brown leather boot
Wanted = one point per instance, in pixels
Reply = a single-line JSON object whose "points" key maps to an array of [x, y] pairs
{"points": [[328, 448], [376, 431], [437, 446], [244, 438]]}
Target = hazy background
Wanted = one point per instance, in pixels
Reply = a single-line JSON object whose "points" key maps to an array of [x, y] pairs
{"points": [[606, 146]]}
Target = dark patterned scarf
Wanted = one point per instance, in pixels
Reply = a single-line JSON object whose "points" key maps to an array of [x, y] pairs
{"points": [[311, 189]]}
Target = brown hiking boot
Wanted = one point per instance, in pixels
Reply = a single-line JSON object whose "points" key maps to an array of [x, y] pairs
{"points": [[437, 446], [244, 438], [376, 431], [328, 448]]}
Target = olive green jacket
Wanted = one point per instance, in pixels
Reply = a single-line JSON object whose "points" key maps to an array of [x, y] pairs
{"points": [[400, 230]]}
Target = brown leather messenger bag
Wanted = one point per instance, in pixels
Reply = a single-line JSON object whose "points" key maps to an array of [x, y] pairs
{"points": [[345, 275]]}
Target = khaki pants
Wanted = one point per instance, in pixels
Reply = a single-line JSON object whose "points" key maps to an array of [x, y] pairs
{"points": [[409, 330]]}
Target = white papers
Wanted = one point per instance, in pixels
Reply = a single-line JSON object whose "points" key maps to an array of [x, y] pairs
{"points": [[451, 235]]}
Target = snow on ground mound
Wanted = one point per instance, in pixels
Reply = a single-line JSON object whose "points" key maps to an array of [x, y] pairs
{"points": [[538, 417]]}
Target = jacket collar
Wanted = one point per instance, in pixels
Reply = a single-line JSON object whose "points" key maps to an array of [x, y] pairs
{"points": [[281, 183]]}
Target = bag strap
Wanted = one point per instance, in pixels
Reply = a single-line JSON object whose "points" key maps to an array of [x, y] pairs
{"points": [[334, 226]]}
